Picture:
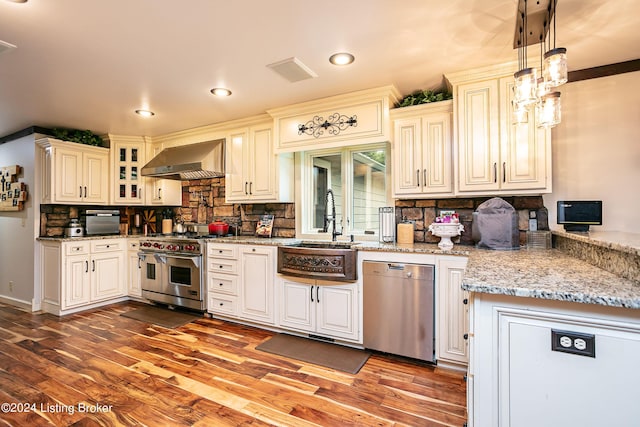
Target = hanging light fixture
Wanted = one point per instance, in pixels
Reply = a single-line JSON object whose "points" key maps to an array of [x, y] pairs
{"points": [[525, 79], [555, 60], [548, 110]]}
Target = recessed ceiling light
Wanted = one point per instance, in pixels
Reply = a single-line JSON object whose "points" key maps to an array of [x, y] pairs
{"points": [[145, 113], [220, 91], [342, 58]]}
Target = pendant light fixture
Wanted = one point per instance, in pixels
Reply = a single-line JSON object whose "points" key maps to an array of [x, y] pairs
{"points": [[526, 78], [555, 60]]}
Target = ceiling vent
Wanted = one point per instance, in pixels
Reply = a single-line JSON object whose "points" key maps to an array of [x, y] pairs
{"points": [[5, 47], [293, 70]]}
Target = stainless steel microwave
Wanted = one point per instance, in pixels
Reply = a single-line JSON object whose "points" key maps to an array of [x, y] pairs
{"points": [[102, 221]]}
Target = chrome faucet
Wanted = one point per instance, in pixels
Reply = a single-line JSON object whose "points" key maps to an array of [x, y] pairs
{"points": [[325, 226]]}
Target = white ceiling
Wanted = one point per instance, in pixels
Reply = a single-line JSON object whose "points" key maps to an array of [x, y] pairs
{"points": [[88, 64]]}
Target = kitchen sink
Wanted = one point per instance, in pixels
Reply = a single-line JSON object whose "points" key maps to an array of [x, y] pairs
{"points": [[319, 260]]}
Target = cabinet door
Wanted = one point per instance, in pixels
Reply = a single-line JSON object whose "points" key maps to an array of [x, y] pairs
{"points": [[256, 294], [76, 281], [134, 272], [68, 175], [523, 147], [478, 136], [158, 191], [261, 164], [452, 311], [95, 177], [107, 275], [128, 159], [298, 304], [407, 156], [237, 181], [436, 157], [337, 310]]}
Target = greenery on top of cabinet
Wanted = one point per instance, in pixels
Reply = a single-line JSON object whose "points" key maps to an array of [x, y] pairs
{"points": [[424, 97], [80, 136]]}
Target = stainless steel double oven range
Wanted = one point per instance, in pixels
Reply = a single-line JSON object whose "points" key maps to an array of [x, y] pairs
{"points": [[172, 272]]}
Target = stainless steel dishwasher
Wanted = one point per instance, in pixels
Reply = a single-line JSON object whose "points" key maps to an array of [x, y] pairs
{"points": [[399, 309]]}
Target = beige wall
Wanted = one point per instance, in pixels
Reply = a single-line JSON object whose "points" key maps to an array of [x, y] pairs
{"points": [[596, 150]]}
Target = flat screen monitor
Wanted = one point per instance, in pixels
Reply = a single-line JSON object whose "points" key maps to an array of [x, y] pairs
{"points": [[578, 215]]}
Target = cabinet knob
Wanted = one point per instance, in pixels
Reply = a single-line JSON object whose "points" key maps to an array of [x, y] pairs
{"points": [[465, 301], [220, 266], [465, 336], [221, 304], [253, 250], [221, 284]]}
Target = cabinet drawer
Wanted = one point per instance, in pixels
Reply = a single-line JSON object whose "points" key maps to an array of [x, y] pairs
{"points": [[226, 266], [77, 248], [222, 251], [223, 284], [223, 304], [106, 245]]}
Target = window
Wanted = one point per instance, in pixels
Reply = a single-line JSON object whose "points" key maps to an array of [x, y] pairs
{"points": [[357, 177]]}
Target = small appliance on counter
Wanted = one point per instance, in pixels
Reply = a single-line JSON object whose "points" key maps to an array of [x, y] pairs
{"points": [[495, 225], [74, 228], [99, 221], [387, 224]]}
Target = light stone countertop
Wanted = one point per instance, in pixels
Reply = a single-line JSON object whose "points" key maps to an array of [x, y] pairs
{"points": [[547, 274], [614, 240]]}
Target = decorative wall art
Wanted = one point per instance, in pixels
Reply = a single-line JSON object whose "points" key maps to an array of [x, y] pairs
{"points": [[13, 194]]}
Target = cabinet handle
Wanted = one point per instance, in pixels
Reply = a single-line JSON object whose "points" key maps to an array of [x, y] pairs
{"points": [[424, 177], [317, 293], [159, 193], [418, 177], [93, 265], [85, 191], [139, 266], [245, 187], [250, 185], [86, 267], [465, 336], [504, 171], [495, 172], [465, 301], [80, 195], [311, 293]]}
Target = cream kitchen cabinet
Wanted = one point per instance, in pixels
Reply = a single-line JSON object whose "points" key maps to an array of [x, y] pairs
{"points": [[82, 274], [256, 284], [421, 151], [222, 279], [254, 171], [452, 312], [320, 307], [73, 173], [495, 155], [128, 155], [134, 269]]}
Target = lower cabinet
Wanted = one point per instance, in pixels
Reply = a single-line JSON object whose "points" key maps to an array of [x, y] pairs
{"points": [[82, 274], [134, 269], [319, 307], [452, 312]]}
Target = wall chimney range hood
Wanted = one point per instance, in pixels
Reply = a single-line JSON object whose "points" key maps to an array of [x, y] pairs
{"points": [[185, 162]]}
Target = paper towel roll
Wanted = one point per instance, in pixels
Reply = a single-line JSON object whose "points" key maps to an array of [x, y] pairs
{"points": [[405, 233]]}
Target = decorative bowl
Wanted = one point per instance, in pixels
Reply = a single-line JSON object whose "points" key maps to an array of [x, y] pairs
{"points": [[446, 231]]}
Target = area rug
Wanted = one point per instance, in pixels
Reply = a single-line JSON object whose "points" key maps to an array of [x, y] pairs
{"points": [[332, 356], [161, 316]]}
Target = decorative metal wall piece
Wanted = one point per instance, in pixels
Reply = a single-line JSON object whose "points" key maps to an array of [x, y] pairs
{"points": [[334, 124], [13, 194]]}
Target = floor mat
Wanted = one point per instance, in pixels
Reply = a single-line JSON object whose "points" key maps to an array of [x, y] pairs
{"points": [[329, 355], [161, 316]]}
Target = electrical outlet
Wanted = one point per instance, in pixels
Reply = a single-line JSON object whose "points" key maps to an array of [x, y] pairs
{"points": [[573, 343], [10, 285]]}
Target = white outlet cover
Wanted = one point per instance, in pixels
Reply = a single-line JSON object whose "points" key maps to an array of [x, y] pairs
{"points": [[566, 342]]}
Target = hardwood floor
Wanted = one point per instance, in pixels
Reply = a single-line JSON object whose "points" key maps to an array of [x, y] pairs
{"points": [[101, 369]]}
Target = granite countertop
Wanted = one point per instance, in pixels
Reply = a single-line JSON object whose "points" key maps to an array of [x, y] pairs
{"points": [[547, 274], [614, 240]]}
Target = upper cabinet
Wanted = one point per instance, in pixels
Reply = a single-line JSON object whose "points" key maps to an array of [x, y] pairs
{"points": [[493, 153], [351, 119], [253, 171], [421, 151], [73, 173], [128, 155]]}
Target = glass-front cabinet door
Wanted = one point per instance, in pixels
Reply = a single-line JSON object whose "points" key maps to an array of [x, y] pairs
{"points": [[128, 160]]}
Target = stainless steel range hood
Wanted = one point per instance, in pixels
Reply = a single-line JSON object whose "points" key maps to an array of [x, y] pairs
{"points": [[193, 161]]}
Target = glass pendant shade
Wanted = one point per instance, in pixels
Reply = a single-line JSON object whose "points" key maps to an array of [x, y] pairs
{"points": [[555, 67], [525, 87], [548, 110]]}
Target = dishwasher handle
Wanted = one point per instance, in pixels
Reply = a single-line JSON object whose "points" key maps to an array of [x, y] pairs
{"points": [[395, 266]]}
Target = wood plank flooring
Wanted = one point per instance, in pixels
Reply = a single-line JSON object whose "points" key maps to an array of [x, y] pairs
{"points": [[98, 368]]}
